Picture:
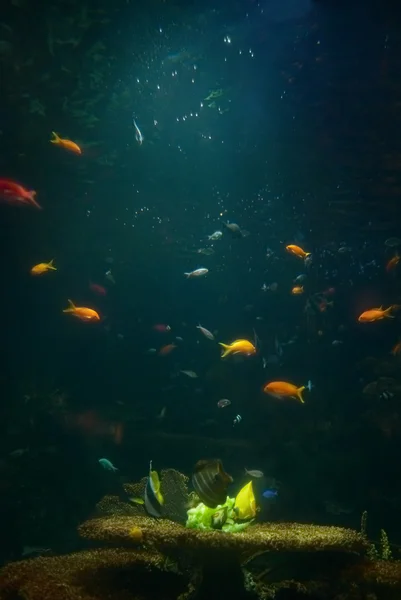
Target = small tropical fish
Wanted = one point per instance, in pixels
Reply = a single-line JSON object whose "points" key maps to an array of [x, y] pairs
{"points": [[272, 287], [41, 268], [97, 289], [245, 503], [167, 349], [138, 134], [396, 349], [197, 273], [223, 403], [109, 277], [154, 499], [190, 374], [211, 482], [106, 464], [297, 251], [205, 251], [161, 327], [283, 389], [208, 334], [235, 230], [270, 494], [300, 278], [392, 242], [392, 263], [82, 312], [254, 473], [376, 314], [14, 193], [237, 420], [137, 500], [219, 518], [162, 413], [238, 347], [215, 236], [337, 342], [297, 290], [66, 144]]}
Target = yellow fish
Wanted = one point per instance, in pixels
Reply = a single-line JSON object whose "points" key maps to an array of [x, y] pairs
{"points": [[42, 268], [245, 503], [238, 347]]}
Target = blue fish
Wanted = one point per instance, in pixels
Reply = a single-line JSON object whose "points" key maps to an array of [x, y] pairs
{"points": [[106, 464], [270, 494]]}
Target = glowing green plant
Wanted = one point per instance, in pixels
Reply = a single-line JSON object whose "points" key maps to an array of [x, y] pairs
{"points": [[201, 517]]}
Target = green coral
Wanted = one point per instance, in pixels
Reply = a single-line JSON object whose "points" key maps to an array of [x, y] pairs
{"points": [[200, 517]]}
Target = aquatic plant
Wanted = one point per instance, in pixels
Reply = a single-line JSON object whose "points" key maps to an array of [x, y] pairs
{"points": [[383, 549], [201, 516]]}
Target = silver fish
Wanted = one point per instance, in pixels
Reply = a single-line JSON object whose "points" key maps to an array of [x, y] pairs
{"points": [[208, 334], [215, 236], [254, 473], [190, 374], [138, 134], [197, 273]]}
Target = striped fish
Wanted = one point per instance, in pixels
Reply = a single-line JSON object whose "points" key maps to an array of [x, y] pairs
{"points": [[210, 482], [153, 496]]}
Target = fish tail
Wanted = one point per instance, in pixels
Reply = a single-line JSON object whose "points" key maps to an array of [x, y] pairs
{"points": [[187, 275], [71, 307], [51, 266], [307, 254], [299, 394], [226, 349], [32, 198], [56, 138], [387, 312]]}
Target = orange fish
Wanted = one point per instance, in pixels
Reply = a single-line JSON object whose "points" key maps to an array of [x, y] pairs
{"points": [[392, 263], [283, 389], [298, 289], [82, 312], [238, 347], [397, 349], [297, 250], [376, 314], [66, 144], [42, 268], [164, 350]]}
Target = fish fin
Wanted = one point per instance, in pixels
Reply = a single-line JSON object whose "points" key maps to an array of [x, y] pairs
{"points": [[299, 394], [71, 307], [56, 139], [33, 195], [187, 275], [307, 254], [387, 312], [226, 349], [50, 265]]}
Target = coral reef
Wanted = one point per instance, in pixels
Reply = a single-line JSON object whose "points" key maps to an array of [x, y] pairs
{"points": [[142, 557], [167, 536], [91, 575]]}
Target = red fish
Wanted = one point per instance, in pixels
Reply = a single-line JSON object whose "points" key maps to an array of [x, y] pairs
{"points": [[161, 327], [14, 193], [165, 350], [97, 289]]}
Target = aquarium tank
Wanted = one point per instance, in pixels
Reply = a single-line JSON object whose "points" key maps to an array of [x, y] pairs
{"points": [[201, 300]]}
